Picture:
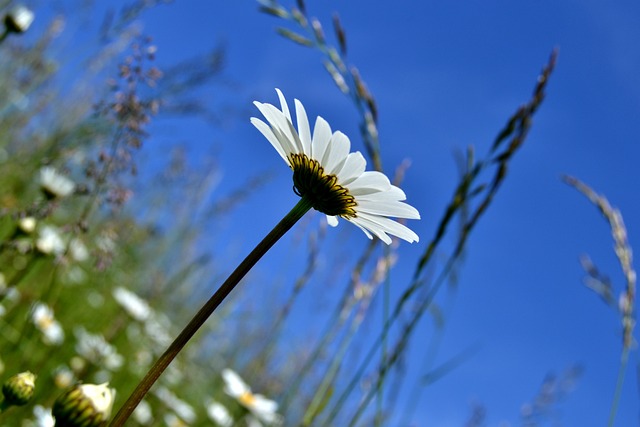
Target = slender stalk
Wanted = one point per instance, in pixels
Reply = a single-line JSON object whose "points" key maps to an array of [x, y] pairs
{"points": [[207, 309], [618, 393]]}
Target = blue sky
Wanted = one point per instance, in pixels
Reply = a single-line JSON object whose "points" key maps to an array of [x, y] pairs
{"points": [[446, 75]]}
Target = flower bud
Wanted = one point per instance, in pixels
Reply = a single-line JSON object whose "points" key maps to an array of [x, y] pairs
{"points": [[19, 19], [84, 405], [18, 389]]}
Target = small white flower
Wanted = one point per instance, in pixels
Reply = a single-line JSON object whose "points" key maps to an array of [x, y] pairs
{"points": [[63, 377], [263, 408], [132, 303], [43, 417], [55, 184], [42, 317], [180, 407], [27, 224], [78, 250], [142, 414], [50, 241], [19, 19], [95, 349], [331, 178], [219, 414], [172, 420]]}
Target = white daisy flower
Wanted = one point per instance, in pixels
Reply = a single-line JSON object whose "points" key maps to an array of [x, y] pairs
{"points": [[43, 417], [181, 408], [219, 414], [27, 224], [332, 178], [42, 317], [50, 241], [19, 19], [94, 348], [263, 408], [54, 184], [132, 303], [143, 413]]}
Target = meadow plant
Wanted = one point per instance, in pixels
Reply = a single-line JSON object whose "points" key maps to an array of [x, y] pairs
{"points": [[98, 272]]}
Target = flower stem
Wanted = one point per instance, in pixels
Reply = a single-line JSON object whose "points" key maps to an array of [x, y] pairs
{"points": [[207, 309]]}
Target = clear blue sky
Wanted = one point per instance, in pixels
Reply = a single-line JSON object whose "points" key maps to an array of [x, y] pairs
{"points": [[446, 75]]}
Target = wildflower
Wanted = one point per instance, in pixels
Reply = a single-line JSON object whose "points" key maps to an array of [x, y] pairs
{"points": [[132, 303], [181, 408], [63, 377], [27, 224], [78, 250], [42, 317], [50, 241], [143, 414], [219, 414], [18, 390], [332, 178], [95, 349], [54, 184], [19, 19], [43, 417], [85, 405], [258, 405]]}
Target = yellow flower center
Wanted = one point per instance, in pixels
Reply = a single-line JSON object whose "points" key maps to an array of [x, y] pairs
{"points": [[323, 190], [247, 399]]}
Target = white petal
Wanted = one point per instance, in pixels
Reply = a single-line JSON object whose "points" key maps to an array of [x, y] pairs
{"points": [[303, 128], [281, 126], [268, 133], [336, 153], [370, 179], [234, 386], [373, 223], [396, 209], [366, 226], [391, 194], [321, 138], [332, 220], [284, 106], [352, 168]]}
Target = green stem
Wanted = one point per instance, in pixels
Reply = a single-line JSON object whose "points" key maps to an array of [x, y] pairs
{"points": [[618, 393], [207, 309]]}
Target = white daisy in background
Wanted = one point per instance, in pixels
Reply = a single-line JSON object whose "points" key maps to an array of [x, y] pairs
{"points": [[50, 242], [63, 377], [27, 224], [19, 19], [95, 349], [43, 417], [219, 414], [181, 408], [42, 317], [143, 414], [332, 178], [54, 184], [132, 303], [78, 250], [258, 405]]}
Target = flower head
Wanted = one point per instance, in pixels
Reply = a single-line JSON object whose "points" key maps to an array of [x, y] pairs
{"points": [[333, 179], [19, 19], [219, 414], [18, 390], [54, 184], [86, 405], [50, 242], [42, 317], [261, 407]]}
